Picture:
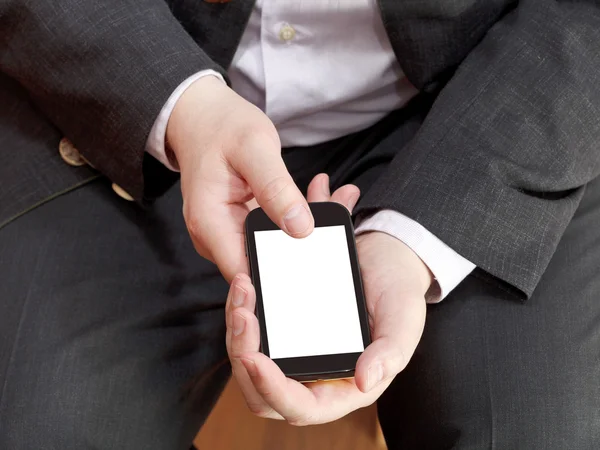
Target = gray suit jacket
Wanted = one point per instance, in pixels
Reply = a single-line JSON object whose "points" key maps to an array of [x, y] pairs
{"points": [[496, 171]]}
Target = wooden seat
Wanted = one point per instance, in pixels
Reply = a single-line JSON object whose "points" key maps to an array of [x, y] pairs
{"points": [[232, 427]]}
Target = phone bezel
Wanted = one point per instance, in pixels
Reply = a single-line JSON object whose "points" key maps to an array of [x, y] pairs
{"points": [[310, 367]]}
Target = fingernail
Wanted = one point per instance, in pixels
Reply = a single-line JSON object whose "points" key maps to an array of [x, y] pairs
{"points": [[239, 295], [250, 366], [238, 324], [353, 201], [374, 375], [297, 220]]}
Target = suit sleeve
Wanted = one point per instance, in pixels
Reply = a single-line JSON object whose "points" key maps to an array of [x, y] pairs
{"points": [[502, 160], [101, 70]]}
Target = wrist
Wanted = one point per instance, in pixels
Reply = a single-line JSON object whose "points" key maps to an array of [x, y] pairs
{"points": [[426, 278], [184, 121], [407, 262]]}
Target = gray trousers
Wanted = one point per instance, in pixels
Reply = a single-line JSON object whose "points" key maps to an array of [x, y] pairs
{"points": [[112, 329]]}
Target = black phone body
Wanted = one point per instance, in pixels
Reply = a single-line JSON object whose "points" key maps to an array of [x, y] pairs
{"points": [[310, 302]]}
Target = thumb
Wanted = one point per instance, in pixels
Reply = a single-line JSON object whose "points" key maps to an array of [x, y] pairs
{"points": [[398, 322], [259, 162]]}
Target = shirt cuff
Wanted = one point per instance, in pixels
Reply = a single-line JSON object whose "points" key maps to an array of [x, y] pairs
{"points": [[448, 267], [155, 145]]}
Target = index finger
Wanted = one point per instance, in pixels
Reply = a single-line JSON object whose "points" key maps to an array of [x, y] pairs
{"points": [[259, 162]]}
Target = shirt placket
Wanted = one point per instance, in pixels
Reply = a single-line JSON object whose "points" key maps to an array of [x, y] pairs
{"points": [[277, 33]]}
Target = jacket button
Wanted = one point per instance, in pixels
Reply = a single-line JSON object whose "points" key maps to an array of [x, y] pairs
{"points": [[122, 192], [69, 153]]}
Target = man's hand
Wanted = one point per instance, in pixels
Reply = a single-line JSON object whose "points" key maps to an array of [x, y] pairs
{"points": [[395, 281], [229, 153]]}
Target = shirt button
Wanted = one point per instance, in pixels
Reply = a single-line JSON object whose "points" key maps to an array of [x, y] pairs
{"points": [[287, 33]]}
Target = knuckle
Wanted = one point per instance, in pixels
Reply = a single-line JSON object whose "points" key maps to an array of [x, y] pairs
{"points": [[195, 229], [395, 364], [259, 409], [264, 391], [261, 133], [193, 222], [303, 420], [274, 188], [252, 137]]}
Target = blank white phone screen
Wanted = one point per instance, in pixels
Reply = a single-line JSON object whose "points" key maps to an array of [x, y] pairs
{"points": [[308, 293]]}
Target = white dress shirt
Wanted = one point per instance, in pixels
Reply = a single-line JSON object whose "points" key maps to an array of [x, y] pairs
{"points": [[297, 61]]}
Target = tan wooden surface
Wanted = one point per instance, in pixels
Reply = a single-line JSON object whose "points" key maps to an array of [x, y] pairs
{"points": [[232, 427]]}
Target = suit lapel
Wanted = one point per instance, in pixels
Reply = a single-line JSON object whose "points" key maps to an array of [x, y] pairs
{"points": [[431, 37], [217, 26]]}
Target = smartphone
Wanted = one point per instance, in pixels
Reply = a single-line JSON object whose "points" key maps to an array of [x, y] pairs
{"points": [[309, 296]]}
